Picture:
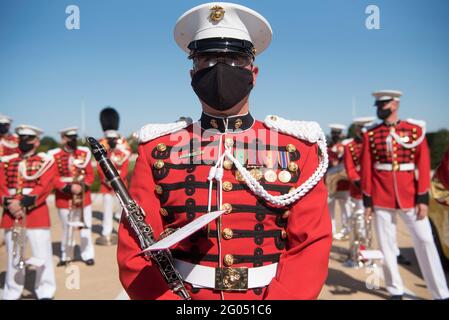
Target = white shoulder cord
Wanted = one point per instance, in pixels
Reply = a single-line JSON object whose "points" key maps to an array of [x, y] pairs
{"points": [[309, 131], [409, 145], [45, 166], [78, 162], [126, 157]]}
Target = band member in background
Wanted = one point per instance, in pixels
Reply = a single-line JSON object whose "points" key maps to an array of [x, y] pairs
{"points": [[8, 146], [29, 178], [119, 153], [8, 142], [74, 179], [352, 153], [274, 239], [337, 182], [392, 151]]}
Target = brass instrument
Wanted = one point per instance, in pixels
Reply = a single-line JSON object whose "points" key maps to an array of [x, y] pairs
{"points": [[19, 242], [333, 176], [360, 238], [76, 215]]}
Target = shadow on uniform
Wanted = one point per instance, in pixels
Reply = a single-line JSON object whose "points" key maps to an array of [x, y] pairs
{"points": [[98, 227], [56, 247], [28, 292]]}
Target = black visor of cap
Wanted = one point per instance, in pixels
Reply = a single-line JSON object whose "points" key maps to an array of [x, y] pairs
{"points": [[221, 45], [382, 103]]}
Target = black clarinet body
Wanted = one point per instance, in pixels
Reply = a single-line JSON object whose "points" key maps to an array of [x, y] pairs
{"points": [[136, 218]]}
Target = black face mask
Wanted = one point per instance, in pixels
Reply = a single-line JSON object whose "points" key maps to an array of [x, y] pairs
{"points": [[222, 86], [72, 144], [112, 143], [4, 128], [25, 147], [383, 114], [335, 137]]}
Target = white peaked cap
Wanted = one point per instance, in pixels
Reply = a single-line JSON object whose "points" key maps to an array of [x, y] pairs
{"points": [[5, 119], [71, 131], [337, 127], [223, 20], [385, 95], [27, 130], [362, 121]]}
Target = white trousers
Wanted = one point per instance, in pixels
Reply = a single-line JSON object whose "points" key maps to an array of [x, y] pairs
{"points": [[385, 221], [45, 283], [85, 234], [343, 200], [109, 200]]}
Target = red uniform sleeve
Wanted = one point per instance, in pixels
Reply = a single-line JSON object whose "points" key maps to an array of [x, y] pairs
{"points": [[124, 171], [90, 175], [3, 187], [141, 278], [303, 269], [41, 191], [366, 172], [350, 166], [422, 163]]}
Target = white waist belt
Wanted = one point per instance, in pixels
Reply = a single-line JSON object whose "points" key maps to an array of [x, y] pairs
{"points": [[25, 191], [389, 166], [204, 277]]}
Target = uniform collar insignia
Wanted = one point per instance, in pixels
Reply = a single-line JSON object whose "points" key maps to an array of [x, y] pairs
{"points": [[234, 123]]}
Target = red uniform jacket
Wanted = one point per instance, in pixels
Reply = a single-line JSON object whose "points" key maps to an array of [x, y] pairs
{"points": [[352, 155], [173, 194], [8, 145], [442, 173], [120, 158], [395, 189], [336, 155], [31, 183], [70, 164]]}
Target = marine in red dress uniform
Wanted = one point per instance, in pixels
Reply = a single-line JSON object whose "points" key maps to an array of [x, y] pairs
{"points": [[119, 152], [74, 179], [237, 164], [29, 179], [339, 194], [392, 151], [351, 159], [8, 142]]}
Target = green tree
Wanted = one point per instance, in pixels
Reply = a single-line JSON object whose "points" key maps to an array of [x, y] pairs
{"points": [[47, 143]]}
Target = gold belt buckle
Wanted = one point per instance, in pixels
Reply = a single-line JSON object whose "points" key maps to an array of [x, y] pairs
{"points": [[231, 279], [396, 167]]}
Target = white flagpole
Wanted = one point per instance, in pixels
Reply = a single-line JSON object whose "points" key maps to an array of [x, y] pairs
{"points": [[83, 121]]}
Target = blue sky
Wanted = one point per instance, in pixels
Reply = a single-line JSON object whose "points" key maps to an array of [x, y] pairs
{"points": [[125, 56]]}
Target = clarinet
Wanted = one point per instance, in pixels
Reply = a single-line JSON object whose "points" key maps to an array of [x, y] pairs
{"points": [[136, 218]]}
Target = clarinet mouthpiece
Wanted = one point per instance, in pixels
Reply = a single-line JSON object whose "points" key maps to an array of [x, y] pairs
{"points": [[97, 149]]}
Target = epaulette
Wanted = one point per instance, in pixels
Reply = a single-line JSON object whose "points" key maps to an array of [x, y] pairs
{"points": [[9, 157], [347, 141], [45, 156], [85, 149], [155, 130], [304, 130], [372, 126], [54, 151], [419, 123]]}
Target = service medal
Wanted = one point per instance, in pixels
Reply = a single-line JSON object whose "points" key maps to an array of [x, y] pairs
{"points": [[285, 176]]}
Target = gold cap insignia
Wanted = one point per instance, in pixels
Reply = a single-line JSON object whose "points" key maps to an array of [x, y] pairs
{"points": [[217, 13]]}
